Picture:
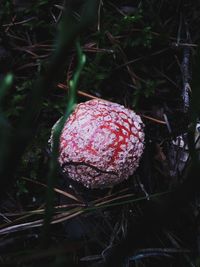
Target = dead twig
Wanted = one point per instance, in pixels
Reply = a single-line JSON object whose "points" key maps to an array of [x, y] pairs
{"points": [[64, 193], [186, 77]]}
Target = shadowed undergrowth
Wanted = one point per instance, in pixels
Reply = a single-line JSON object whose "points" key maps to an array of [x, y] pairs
{"points": [[143, 55]]}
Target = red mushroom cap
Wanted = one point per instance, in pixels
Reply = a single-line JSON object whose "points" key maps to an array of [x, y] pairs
{"points": [[101, 144]]}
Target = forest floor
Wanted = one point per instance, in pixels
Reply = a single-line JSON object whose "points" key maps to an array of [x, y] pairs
{"points": [[141, 54]]}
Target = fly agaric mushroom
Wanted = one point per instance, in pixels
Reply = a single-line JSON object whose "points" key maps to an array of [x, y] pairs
{"points": [[101, 144]]}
